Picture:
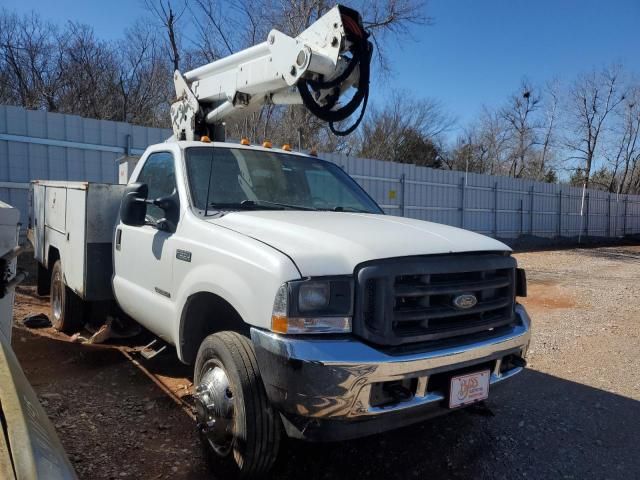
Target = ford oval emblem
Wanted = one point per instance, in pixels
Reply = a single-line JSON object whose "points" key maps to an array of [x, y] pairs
{"points": [[465, 301]]}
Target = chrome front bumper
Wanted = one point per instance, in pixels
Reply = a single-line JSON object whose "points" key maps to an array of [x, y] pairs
{"points": [[315, 380]]}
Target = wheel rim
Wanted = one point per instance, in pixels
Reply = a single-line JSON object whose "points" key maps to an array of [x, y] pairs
{"points": [[56, 298], [215, 408]]}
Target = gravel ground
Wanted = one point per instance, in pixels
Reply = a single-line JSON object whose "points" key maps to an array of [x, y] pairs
{"points": [[573, 414]]}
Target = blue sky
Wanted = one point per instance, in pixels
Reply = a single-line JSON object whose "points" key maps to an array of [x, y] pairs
{"points": [[475, 53]]}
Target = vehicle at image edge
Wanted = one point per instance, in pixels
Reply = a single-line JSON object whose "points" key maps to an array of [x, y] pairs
{"points": [[29, 446], [304, 310]]}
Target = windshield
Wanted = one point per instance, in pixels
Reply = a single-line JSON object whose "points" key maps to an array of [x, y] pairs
{"points": [[236, 178]]}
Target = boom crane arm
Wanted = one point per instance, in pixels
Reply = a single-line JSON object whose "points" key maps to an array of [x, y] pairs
{"points": [[315, 69]]}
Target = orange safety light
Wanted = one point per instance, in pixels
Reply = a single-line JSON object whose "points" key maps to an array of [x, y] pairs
{"points": [[279, 324], [267, 144], [205, 139], [286, 147], [245, 141]]}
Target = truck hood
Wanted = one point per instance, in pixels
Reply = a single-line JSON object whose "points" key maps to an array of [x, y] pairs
{"points": [[333, 243]]}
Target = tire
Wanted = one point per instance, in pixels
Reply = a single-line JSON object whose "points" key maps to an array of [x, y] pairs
{"points": [[253, 443], [67, 309]]}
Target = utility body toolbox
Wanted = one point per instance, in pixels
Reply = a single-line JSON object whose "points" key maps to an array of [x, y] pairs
{"points": [[75, 222]]}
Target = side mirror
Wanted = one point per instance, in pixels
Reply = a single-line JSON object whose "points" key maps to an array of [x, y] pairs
{"points": [[170, 204], [133, 208]]}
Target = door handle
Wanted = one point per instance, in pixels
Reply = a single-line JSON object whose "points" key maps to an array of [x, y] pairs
{"points": [[118, 238]]}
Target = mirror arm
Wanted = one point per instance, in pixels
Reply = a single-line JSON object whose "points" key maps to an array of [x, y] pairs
{"points": [[165, 225]]}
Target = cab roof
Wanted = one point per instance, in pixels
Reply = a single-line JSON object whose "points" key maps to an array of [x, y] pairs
{"points": [[182, 144]]}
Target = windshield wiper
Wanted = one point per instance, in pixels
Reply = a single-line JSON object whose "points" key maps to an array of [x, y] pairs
{"points": [[258, 205], [347, 209], [283, 205], [244, 205]]}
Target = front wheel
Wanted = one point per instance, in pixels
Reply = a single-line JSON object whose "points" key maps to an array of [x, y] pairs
{"points": [[238, 427], [67, 309]]}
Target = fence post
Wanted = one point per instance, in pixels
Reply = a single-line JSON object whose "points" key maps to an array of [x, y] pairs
{"points": [[463, 187], [624, 219], [495, 210], [609, 215], [531, 192], [586, 217], [560, 213], [521, 216], [402, 194], [615, 217]]}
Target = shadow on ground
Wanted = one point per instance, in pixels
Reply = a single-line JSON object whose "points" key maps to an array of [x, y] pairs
{"points": [[543, 427]]}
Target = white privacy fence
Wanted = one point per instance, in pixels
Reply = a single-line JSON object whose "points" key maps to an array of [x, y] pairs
{"points": [[51, 146], [502, 207]]}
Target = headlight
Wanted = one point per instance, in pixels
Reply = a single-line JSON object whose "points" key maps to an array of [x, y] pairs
{"points": [[313, 296], [313, 306]]}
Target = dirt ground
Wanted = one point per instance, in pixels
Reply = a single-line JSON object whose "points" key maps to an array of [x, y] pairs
{"points": [[573, 414]]}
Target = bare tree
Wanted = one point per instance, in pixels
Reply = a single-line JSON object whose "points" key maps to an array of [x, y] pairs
{"points": [[30, 51], [593, 98], [549, 127], [405, 130], [216, 31], [169, 18], [69, 70], [391, 21], [484, 147], [89, 70], [626, 143], [518, 115], [144, 78]]}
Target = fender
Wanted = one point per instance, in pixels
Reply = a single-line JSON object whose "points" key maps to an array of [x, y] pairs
{"points": [[250, 295]]}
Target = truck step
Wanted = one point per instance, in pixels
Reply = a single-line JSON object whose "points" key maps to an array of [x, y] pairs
{"points": [[154, 348]]}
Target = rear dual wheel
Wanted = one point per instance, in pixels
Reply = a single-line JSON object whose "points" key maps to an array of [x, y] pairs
{"points": [[67, 308], [238, 427]]}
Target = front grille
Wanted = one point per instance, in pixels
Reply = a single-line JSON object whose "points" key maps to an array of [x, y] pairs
{"points": [[411, 299]]}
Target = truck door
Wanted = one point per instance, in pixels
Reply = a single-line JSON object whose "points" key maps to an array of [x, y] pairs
{"points": [[143, 256]]}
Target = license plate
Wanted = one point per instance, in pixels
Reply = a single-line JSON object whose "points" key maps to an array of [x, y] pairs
{"points": [[470, 388]]}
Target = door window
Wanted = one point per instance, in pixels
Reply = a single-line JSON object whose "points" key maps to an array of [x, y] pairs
{"points": [[158, 172]]}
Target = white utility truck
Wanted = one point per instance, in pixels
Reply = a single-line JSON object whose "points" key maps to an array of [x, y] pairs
{"points": [[304, 309]]}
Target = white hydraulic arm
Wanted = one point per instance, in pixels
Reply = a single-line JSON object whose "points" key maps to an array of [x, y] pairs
{"points": [[315, 69]]}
